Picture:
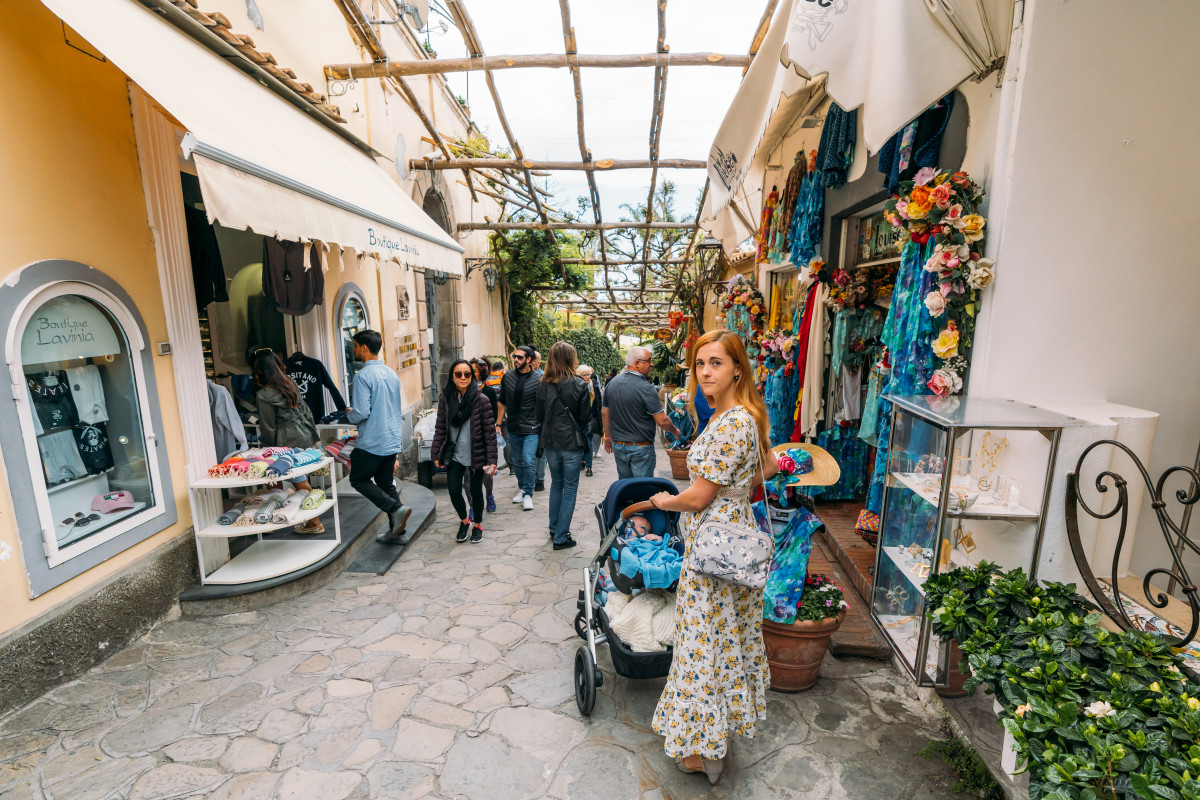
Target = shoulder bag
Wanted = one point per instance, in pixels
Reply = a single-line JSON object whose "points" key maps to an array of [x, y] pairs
{"points": [[731, 552], [579, 428]]}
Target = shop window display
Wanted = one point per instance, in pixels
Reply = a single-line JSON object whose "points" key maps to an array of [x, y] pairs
{"points": [[353, 320], [86, 415]]}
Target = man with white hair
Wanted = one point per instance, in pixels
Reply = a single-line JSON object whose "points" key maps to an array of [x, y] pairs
{"points": [[632, 411]]}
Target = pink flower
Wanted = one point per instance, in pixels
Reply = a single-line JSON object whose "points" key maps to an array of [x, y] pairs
{"points": [[941, 195], [952, 262], [936, 303], [901, 206], [937, 384], [787, 465], [924, 176], [954, 213]]}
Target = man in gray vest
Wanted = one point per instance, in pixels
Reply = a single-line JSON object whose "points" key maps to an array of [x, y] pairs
{"points": [[632, 413]]}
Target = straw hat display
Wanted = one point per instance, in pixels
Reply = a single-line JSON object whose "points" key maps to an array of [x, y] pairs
{"points": [[825, 471]]}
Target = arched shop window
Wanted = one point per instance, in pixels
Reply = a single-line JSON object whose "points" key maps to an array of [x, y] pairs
{"points": [[352, 318], [85, 474]]}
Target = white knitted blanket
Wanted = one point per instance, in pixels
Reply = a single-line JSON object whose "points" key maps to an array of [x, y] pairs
{"points": [[646, 622]]}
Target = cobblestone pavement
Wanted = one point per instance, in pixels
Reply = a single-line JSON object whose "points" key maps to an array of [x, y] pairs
{"points": [[449, 677]]}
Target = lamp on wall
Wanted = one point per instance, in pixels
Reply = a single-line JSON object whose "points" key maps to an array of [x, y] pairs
{"points": [[708, 258], [490, 273]]}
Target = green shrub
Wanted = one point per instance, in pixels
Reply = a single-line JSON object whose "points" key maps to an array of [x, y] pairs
{"points": [[973, 775], [1096, 715]]}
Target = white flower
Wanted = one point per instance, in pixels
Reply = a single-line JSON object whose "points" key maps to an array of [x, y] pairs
{"points": [[935, 301], [964, 252], [844, 604], [1100, 708], [983, 272], [950, 378], [5, 551]]}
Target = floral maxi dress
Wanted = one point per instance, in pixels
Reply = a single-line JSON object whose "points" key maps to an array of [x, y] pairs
{"points": [[718, 675]]}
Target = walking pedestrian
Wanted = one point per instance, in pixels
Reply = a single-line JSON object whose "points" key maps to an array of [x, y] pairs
{"points": [[518, 407], [378, 413], [539, 484], [595, 424], [563, 405], [612, 373], [492, 393], [464, 441], [285, 420], [631, 412], [718, 676]]}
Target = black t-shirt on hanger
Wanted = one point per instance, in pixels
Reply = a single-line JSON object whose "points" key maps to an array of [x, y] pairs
{"points": [[51, 393], [310, 376], [94, 449]]}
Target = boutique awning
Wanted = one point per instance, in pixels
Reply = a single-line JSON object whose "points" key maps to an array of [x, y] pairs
{"points": [[891, 59], [262, 163]]}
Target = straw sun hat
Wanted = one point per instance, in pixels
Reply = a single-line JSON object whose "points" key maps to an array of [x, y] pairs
{"points": [[825, 472]]}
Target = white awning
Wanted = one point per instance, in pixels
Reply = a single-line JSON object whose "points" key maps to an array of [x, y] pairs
{"points": [[263, 164], [891, 59]]}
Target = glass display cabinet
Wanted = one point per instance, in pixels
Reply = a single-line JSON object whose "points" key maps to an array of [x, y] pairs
{"points": [[968, 479]]}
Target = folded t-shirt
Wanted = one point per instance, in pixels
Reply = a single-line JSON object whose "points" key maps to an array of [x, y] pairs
{"points": [[60, 457]]}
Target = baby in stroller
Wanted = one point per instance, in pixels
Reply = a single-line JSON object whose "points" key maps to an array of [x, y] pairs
{"points": [[638, 527], [648, 552]]}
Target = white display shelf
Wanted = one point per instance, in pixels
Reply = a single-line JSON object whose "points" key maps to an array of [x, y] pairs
{"points": [[58, 487], [233, 483], [904, 563], [981, 509], [75, 533], [270, 559], [219, 531], [903, 631]]}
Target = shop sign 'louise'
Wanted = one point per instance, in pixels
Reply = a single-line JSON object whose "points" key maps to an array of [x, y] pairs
{"points": [[941, 208]]}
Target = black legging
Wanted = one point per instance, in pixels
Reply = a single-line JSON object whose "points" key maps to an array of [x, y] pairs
{"points": [[455, 472]]}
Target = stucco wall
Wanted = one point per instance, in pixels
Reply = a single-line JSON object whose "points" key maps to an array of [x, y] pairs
{"points": [[1096, 292], [72, 189]]}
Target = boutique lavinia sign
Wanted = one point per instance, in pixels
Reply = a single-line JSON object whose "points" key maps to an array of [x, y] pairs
{"points": [[66, 328]]}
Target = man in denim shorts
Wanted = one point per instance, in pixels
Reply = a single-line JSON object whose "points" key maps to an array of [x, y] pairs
{"points": [[632, 414]]}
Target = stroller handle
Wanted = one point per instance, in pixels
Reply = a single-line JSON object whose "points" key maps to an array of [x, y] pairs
{"points": [[637, 508]]}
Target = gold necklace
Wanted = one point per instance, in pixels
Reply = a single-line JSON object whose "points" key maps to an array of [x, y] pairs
{"points": [[989, 459]]}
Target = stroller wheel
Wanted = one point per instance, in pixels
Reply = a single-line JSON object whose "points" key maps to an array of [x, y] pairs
{"points": [[581, 626], [585, 681]]}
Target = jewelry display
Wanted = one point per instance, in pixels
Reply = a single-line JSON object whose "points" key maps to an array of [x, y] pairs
{"points": [[897, 622], [1008, 493], [920, 570], [897, 595], [988, 459], [963, 540]]}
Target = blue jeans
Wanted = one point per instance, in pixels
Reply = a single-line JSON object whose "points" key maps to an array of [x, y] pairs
{"points": [[524, 453], [634, 462], [564, 484], [541, 468], [593, 447]]}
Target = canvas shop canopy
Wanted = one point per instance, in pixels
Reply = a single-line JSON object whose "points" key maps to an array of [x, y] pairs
{"points": [[889, 59], [262, 164]]}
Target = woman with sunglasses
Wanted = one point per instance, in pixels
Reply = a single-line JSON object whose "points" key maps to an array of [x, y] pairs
{"points": [[284, 417], [464, 441]]}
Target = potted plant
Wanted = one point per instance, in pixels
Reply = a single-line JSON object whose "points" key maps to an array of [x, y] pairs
{"points": [[795, 649]]}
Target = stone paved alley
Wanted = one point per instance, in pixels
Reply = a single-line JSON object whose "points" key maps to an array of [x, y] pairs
{"points": [[449, 677]]}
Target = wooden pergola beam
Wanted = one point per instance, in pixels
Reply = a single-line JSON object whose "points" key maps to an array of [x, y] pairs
{"points": [[615, 288], [571, 60], [656, 120], [598, 262], [602, 165], [462, 20], [571, 226]]}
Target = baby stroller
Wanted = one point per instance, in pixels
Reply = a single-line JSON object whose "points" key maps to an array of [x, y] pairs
{"points": [[624, 499]]}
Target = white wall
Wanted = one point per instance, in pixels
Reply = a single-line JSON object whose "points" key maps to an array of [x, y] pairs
{"points": [[1096, 295]]}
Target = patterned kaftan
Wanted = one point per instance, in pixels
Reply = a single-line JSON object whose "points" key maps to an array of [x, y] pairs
{"points": [[718, 675]]}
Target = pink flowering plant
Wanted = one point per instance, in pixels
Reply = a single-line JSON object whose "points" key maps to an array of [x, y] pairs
{"points": [[943, 208], [822, 600]]}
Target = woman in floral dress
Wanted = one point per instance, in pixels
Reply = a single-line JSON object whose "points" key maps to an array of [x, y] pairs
{"points": [[718, 677]]}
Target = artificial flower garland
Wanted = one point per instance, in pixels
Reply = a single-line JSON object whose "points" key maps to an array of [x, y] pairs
{"points": [[749, 309], [942, 207]]}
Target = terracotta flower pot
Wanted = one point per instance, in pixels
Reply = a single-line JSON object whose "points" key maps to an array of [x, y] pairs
{"points": [[678, 463], [795, 650]]}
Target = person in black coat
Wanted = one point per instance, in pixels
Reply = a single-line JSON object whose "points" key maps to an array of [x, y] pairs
{"points": [[595, 424], [564, 403], [464, 442]]}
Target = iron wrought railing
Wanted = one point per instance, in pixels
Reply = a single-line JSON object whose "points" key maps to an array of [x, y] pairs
{"points": [[1174, 532]]}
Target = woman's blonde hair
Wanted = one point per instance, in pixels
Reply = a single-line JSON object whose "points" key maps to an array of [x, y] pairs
{"points": [[562, 363], [744, 392]]}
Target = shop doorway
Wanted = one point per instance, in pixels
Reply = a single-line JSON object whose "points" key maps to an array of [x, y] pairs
{"points": [[441, 299]]}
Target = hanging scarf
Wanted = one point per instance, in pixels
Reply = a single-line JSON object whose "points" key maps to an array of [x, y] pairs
{"points": [[458, 409]]}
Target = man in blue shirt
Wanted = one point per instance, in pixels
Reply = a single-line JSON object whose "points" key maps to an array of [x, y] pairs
{"points": [[378, 413]]}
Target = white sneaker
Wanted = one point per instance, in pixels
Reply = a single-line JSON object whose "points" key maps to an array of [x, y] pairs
{"points": [[528, 503], [518, 497]]}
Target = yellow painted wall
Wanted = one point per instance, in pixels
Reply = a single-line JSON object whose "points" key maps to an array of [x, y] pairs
{"points": [[72, 189]]}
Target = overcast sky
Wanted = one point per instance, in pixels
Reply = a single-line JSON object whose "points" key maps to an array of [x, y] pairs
{"points": [[540, 103]]}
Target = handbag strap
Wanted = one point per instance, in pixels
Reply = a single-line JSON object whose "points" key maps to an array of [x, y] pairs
{"points": [[578, 426], [758, 453]]}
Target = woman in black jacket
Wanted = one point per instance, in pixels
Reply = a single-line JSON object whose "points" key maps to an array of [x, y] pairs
{"points": [[464, 441], [564, 404], [482, 372]]}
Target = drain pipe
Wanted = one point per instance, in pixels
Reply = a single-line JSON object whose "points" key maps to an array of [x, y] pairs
{"points": [[201, 35]]}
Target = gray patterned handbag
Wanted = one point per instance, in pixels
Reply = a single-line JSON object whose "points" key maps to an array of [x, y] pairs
{"points": [[727, 551]]}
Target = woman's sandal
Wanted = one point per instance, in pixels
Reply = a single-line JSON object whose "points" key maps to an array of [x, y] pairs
{"points": [[712, 769]]}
